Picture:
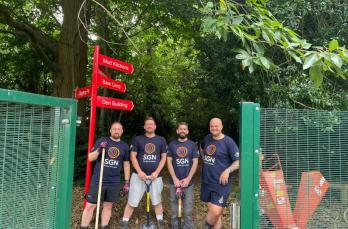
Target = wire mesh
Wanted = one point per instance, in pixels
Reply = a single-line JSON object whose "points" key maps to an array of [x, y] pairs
{"points": [[307, 142], [29, 160]]}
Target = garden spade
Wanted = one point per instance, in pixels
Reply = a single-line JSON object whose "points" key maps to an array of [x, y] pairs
{"points": [[179, 195], [148, 225]]}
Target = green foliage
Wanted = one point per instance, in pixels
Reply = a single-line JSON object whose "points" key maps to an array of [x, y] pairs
{"points": [[258, 30], [317, 21], [294, 89], [20, 67], [316, 75], [184, 75]]}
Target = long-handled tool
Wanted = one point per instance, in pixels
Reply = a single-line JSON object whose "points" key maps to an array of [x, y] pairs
{"points": [[148, 225], [99, 188], [179, 195]]}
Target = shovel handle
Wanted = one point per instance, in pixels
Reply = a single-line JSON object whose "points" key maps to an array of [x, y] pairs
{"points": [[99, 188], [147, 201], [148, 185], [179, 207]]}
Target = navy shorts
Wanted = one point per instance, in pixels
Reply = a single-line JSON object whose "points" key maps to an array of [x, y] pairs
{"points": [[215, 194], [109, 193]]}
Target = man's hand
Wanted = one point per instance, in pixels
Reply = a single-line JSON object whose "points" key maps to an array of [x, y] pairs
{"points": [[126, 187], [185, 182], [154, 175], [143, 176], [176, 182], [179, 192], [224, 176], [103, 144]]}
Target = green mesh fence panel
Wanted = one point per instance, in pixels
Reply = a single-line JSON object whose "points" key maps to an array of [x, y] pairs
{"points": [[32, 164], [306, 141]]}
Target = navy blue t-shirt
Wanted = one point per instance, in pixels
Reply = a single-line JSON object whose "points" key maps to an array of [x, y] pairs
{"points": [[218, 155], [149, 152], [182, 154], [115, 154]]}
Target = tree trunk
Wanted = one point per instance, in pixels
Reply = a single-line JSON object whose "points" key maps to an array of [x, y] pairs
{"points": [[72, 53], [72, 56], [101, 17]]}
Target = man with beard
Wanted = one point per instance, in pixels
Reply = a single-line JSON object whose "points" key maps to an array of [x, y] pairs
{"points": [[220, 158], [148, 156], [116, 155], [182, 161]]}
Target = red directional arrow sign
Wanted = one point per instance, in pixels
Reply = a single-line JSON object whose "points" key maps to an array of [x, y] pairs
{"points": [[115, 64], [111, 103], [110, 83], [83, 92]]}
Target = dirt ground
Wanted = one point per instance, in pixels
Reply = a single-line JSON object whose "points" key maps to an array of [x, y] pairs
{"points": [[139, 216]]}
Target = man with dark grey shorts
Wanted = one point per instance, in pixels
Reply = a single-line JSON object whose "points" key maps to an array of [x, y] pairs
{"points": [[182, 161], [220, 158], [116, 156], [148, 156]]}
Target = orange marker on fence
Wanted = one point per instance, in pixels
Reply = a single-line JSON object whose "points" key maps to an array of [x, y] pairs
{"points": [[274, 198], [312, 189]]}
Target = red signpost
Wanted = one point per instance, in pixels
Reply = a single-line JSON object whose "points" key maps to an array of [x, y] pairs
{"points": [[115, 64], [101, 78], [112, 103], [111, 84], [83, 92]]}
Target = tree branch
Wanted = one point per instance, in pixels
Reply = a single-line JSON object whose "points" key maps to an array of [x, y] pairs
{"points": [[303, 105], [142, 14], [37, 38], [138, 20], [124, 38], [7, 32]]}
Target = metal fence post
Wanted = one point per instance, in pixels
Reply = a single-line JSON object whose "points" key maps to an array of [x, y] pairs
{"points": [[67, 172], [249, 164]]}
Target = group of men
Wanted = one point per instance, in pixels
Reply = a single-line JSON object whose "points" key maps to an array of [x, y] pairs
{"points": [[149, 154]]}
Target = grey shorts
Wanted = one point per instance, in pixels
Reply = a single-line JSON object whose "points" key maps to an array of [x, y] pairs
{"points": [[138, 188]]}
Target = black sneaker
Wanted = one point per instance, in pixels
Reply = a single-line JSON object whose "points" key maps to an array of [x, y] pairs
{"points": [[124, 224], [105, 227]]}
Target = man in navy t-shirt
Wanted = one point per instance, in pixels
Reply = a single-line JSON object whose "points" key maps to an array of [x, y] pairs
{"points": [[182, 161], [116, 156], [220, 158], [148, 156]]}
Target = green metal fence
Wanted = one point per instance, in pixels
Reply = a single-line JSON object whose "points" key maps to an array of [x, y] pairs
{"points": [[37, 141], [249, 164], [312, 146]]}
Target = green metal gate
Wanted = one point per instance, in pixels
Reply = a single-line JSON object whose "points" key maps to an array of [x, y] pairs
{"points": [[301, 179], [37, 143], [312, 146]]}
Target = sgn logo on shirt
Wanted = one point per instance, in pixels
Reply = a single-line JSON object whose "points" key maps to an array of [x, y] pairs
{"points": [[182, 152], [150, 148], [210, 151], [113, 153]]}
